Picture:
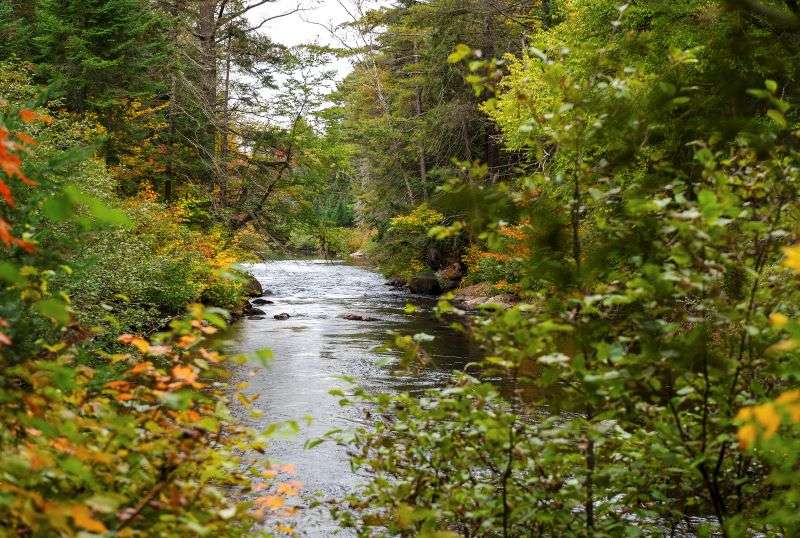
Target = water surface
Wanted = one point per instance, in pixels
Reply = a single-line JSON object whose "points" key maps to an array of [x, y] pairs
{"points": [[316, 346]]}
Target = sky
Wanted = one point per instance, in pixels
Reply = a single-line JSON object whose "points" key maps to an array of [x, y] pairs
{"points": [[305, 26]]}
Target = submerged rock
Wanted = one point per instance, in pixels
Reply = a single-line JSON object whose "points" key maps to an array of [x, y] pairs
{"points": [[256, 318], [358, 317], [261, 302], [249, 310], [282, 317]]}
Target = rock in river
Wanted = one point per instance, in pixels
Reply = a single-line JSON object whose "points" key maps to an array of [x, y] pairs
{"points": [[282, 317], [250, 310], [261, 302], [358, 317], [252, 287]]}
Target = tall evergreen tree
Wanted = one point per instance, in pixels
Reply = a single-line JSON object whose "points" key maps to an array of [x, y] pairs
{"points": [[98, 52]]}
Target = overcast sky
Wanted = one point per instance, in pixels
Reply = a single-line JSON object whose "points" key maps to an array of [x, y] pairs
{"points": [[304, 26]]}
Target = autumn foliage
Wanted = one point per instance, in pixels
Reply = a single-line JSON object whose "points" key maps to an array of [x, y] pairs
{"points": [[135, 438]]}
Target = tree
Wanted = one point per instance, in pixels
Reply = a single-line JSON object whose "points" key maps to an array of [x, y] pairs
{"points": [[99, 53]]}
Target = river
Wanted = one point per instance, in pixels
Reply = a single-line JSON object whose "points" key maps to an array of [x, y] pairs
{"points": [[315, 346]]}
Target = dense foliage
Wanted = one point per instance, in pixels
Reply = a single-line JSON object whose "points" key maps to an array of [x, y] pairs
{"points": [[627, 173], [655, 184], [115, 409]]}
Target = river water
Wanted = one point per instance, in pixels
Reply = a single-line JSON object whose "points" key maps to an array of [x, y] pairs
{"points": [[315, 346]]}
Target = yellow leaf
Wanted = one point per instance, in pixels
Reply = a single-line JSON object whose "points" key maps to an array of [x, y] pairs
{"points": [[778, 320], [747, 435], [83, 519], [141, 344], [792, 260], [768, 417], [784, 346]]}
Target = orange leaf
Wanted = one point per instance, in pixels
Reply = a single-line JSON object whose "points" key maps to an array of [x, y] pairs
{"points": [[5, 232], [83, 519], [141, 367], [26, 138], [186, 375], [5, 192], [117, 385], [273, 502], [28, 116], [289, 468], [186, 341], [290, 489], [5, 340]]}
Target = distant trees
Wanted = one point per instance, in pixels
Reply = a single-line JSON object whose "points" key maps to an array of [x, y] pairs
{"points": [[410, 112]]}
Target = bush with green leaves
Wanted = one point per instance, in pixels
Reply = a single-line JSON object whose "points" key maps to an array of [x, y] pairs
{"points": [[661, 183]]}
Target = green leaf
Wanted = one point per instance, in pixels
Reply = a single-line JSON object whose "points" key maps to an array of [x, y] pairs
{"points": [[10, 273], [778, 118], [108, 216], [771, 85], [263, 356], [54, 309], [58, 208], [105, 503]]}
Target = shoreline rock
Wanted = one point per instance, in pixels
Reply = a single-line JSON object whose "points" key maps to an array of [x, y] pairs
{"points": [[252, 287], [471, 298], [425, 283]]}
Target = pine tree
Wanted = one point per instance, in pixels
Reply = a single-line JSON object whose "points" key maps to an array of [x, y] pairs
{"points": [[98, 52]]}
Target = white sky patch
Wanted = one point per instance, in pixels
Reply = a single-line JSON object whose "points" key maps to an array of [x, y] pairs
{"points": [[305, 26], [318, 23]]}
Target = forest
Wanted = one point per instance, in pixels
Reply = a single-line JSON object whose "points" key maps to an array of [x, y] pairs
{"points": [[586, 211]]}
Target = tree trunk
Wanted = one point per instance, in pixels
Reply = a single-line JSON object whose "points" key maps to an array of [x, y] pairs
{"points": [[492, 152], [175, 7], [423, 165], [207, 34], [547, 14], [225, 127]]}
